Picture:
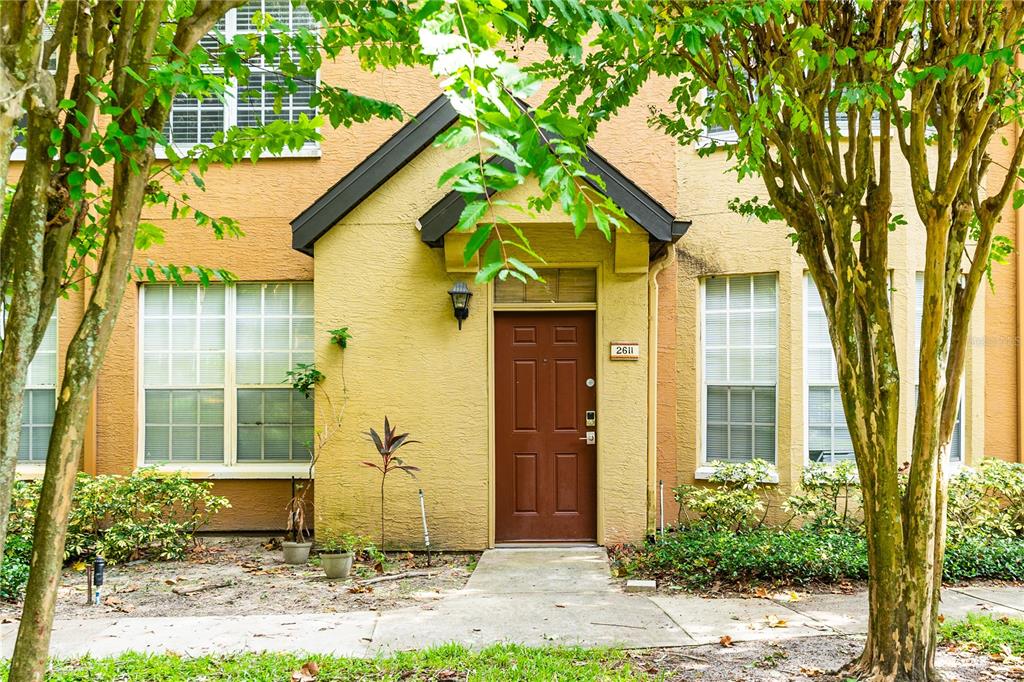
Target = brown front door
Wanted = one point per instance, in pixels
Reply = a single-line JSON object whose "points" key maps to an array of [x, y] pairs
{"points": [[546, 474]]}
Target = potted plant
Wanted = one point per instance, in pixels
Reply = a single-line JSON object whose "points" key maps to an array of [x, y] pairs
{"points": [[337, 551], [296, 550], [305, 379]]}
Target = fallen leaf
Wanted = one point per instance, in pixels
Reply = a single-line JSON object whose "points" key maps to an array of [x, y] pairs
{"points": [[761, 592], [725, 640], [774, 621], [811, 672], [307, 673], [793, 596], [78, 566], [942, 618]]}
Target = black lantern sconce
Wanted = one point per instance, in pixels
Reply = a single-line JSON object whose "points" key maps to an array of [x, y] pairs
{"points": [[460, 294]]}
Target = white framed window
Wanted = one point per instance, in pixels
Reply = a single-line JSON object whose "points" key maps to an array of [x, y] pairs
{"points": [[214, 362], [956, 446], [828, 436], [40, 395], [740, 360], [194, 121]]}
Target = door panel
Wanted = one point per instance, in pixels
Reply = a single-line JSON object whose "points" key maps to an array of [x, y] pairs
{"points": [[545, 473]]}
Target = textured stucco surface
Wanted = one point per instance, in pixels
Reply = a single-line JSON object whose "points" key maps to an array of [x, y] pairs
{"points": [[409, 361], [1002, 337]]}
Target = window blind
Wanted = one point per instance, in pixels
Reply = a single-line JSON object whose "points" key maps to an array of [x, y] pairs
{"points": [[740, 367]]}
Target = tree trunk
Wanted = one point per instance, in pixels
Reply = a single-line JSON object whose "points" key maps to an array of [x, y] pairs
{"points": [[22, 249], [62, 459], [904, 598]]}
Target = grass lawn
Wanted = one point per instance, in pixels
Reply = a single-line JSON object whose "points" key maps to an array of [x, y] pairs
{"points": [[452, 662], [987, 633]]}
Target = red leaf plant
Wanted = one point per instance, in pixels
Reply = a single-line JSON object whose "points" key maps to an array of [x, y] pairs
{"points": [[389, 461]]}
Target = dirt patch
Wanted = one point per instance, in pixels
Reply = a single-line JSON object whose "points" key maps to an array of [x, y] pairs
{"points": [[814, 659], [247, 576]]}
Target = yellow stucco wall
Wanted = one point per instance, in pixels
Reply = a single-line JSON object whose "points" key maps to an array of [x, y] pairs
{"points": [[1001, 341], [408, 360]]}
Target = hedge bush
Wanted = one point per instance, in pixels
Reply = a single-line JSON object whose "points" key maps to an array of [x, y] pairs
{"points": [[724, 537], [700, 557], [149, 514]]}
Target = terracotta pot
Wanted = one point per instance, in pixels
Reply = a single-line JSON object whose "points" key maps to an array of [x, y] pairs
{"points": [[336, 566], [296, 553]]}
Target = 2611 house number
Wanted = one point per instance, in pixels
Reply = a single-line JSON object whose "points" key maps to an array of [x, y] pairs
{"points": [[625, 351]]}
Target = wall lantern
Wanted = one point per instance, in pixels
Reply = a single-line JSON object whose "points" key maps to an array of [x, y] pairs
{"points": [[460, 294]]}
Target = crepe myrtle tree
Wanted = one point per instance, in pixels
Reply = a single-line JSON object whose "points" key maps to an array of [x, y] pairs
{"points": [[828, 101], [86, 87]]}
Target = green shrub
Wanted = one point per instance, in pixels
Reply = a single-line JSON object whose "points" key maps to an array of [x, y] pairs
{"points": [[829, 497], [987, 500], [700, 557], [984, 557], [14, 571], [148, 514], [736, 497]]}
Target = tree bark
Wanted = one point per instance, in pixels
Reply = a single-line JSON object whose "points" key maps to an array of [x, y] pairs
{"points": [[22, 249], [83, 358], [89, 344]]}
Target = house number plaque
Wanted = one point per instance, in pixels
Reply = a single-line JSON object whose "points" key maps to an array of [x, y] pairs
{"points": [[621, 350]]}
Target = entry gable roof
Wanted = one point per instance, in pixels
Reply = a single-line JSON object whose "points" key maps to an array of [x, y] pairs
{"points": [[417, 135]]}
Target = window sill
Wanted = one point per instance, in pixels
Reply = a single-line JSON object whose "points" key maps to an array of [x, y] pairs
{"points": [[704, 473], [719, 137], [29, 472], [215, 472], [309, 151]]}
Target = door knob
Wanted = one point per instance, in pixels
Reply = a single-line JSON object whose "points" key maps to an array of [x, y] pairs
{"points": [[591, 437]]}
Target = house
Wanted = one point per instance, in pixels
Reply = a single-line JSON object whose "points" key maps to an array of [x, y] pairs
{"points": [[556, 409]]}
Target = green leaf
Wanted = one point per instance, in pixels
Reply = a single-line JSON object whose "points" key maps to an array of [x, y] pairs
{"points": [[471, 214], [477, 241], [457, 170], [523, 267], [579, 214]]}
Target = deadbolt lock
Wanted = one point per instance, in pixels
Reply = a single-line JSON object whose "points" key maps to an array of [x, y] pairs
{"points": [[591, 418]]}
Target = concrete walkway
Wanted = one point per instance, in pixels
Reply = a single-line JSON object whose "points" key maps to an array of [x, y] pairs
{"points": [[529, 596]]}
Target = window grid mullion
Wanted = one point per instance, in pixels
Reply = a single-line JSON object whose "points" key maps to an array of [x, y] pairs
{"points": [[230, 391]]}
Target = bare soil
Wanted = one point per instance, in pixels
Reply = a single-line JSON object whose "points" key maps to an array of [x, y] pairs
{"points": [[812, 659], [248, 576]]}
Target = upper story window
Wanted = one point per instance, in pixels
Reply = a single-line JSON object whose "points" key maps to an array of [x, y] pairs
{"points": [[193, 121], [828, 436], [214, 363], [40, 396], [956, 446], [740, 339]]}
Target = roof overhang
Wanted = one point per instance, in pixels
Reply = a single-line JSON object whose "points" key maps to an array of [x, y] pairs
{"points": [[443, 216]]}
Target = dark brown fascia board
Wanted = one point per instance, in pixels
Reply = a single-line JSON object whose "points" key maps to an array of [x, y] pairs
{"points": [[371, 173], [442, 217]]}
